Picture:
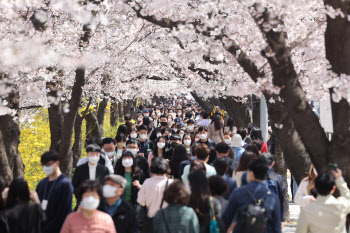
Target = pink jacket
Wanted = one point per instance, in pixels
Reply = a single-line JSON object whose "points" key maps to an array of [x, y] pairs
{"points": [[100, 223]]}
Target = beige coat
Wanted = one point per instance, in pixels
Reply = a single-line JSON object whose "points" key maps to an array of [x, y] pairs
{"points": [[215, 135], [327, 214]]}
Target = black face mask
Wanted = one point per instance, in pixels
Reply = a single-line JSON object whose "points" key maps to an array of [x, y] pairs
{"points": [[163, 123], [167, 137]]}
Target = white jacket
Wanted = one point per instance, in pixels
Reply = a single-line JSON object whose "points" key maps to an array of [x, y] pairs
{"points": [[302, 198], [327, 214]]}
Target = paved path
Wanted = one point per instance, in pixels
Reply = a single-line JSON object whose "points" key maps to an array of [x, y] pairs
{"points": [[294, 214]]}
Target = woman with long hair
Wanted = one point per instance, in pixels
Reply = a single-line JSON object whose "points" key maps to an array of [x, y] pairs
{"points": [[202, 203], [244, 161], [306, 191], [181, 217], [18, 208], [215, 132], [256, 134], [158, 149], [126, 167], [128, 124], [179, 154]]}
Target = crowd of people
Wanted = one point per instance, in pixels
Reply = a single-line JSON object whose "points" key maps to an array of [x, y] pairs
{"points": [[174, 169]]}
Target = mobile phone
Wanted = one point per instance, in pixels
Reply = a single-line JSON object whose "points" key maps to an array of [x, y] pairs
{"points": [[333, 166]]}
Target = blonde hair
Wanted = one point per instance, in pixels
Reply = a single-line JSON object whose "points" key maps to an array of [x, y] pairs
{"points": [[311, 178]]}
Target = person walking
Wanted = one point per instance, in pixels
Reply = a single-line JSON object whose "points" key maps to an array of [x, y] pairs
{"points": [[55, 193], [206, 207], [252, 192], [122, 213], [327, 213], [177, 217], [89, 219], [134, 176], [21, 215], [215, 130], [306, 191]]}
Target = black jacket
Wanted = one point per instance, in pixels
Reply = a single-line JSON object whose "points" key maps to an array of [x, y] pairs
{"points": [[124, 218], [81, 174], [28, 218]]}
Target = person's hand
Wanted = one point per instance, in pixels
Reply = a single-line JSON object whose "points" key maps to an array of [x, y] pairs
{"points": [[282, 225], [137, 184], [167, 160], [33, 195], [5, 193], [231, 228], [312, 199], [142, 154], [337, 174]]}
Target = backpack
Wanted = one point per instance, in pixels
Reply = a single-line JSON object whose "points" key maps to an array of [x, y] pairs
{"points": [[254, 217], [271, 185]]}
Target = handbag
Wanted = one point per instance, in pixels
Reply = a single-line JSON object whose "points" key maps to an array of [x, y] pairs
{"points": [[213, 225], [145, 222]]}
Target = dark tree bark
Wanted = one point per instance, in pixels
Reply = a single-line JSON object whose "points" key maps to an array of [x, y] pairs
{"points": [[205, 104], [239, 111], [5, 170], [126, 107], [255, 104], [120, 110], [337, 39], [101, 113], [114, 113], [9, 142], [65, 148], [77, 147], [92, 126]]}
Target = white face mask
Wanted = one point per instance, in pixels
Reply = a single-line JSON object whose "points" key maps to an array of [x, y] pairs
{"points": [[227, 141], [133, 151], [127, 162], [139, 119], [93, 159], [161, 145], [109, 191], [90, 203], [203, 136], [187, 142], [190, 127], [159, 135], [143, 136], [134, 135], [170, 120], [314, 169], [110, 154], [48, 170], [179, 114], [146, 114]]}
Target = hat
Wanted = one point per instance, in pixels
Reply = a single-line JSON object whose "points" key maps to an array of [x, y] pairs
{"points": [[177, 120], [237, 141], [145, 110], [117, 179]]}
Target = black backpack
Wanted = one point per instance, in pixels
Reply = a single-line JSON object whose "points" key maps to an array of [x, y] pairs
{"points": [[254, 217]]}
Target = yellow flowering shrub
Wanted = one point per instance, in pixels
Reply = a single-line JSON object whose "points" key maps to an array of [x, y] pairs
{"points": [[35, 140]]}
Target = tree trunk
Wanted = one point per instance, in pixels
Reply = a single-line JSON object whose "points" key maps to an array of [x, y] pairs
{"points": [[5, 170], [101, 113], [114, 113], [55, 121], [9, 141], [294, 151], [337, 40], [281, 168], [92, 126], [127, 106], [239, 111], [77, 140], [207, 105], [255, 104], [65, 148], [121, 111]]}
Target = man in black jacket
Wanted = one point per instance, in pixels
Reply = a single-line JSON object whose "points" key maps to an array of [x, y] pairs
{"points": [[122, 213], [91, 170]]}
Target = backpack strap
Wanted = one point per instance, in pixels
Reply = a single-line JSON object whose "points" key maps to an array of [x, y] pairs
{"points": [[161, 204], [259, 200]]}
